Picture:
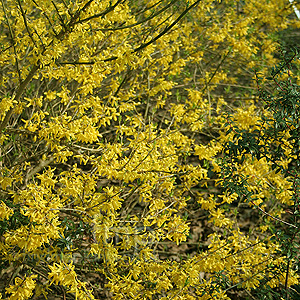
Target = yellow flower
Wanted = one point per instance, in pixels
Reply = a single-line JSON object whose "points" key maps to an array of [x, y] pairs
{"points": [[22, 289], [5, 211]]}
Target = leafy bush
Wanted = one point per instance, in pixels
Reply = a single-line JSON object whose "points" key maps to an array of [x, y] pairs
{"points": [[273, 144]]}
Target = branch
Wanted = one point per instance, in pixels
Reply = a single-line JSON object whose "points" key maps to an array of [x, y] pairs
{"points": [[18, 96], [12, 41], [51, 25], [100, 15], [274, 218], [167, 28], [216, 70], [38, 168], [142, 21], [25, 23]]}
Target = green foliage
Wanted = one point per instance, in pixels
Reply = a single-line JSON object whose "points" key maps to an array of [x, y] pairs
{"points": [[275, 138]]}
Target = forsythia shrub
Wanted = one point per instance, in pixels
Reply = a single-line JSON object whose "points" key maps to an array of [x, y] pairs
{"points": [[114, 150]]}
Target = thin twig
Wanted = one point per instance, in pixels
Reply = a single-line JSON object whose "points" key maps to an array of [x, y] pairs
{"points": [[54, 31], [274, 218], [100, 15], [18, 95], [168, 28], [157, 13], [25, 23], [12, 41]]}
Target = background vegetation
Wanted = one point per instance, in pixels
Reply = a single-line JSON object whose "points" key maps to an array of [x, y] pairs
{"points": [[148, 150]]}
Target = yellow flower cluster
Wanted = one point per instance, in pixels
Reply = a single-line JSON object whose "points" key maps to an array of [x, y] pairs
{"points": [[111, 135]]}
